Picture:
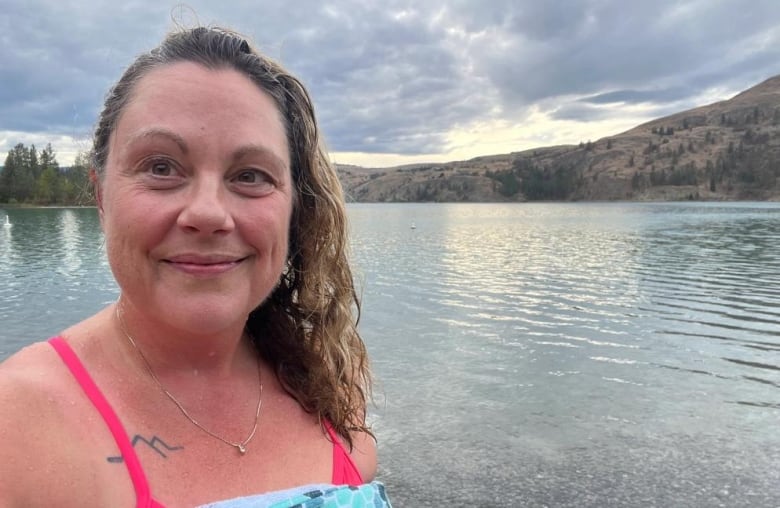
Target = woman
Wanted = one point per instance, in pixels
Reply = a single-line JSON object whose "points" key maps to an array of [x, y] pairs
{"points": [[230, 365]]}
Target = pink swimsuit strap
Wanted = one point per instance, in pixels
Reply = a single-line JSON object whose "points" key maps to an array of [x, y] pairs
{"points": [[142, 492], [344, 470]]}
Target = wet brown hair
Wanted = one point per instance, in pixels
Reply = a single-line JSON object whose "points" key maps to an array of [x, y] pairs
{"points": [[307, 327]]}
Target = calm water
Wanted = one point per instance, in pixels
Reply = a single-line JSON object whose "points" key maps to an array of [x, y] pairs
{"points": [[526, 355]]}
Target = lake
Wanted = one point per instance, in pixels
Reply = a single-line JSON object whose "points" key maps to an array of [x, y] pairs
{"points": [[597, 354]]}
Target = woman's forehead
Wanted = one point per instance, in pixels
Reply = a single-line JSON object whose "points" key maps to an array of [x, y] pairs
{"points": [[188, 100]]}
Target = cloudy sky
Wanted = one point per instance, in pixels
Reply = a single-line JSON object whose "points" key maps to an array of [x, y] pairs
{"points": [[399, 81]]}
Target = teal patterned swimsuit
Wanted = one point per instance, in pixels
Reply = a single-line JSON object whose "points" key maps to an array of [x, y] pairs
{"points": [[369, 495]]}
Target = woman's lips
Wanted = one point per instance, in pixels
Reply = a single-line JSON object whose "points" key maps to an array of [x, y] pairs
{"points": [[200, 265]]}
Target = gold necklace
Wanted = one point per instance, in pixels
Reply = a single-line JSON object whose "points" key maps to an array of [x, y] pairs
{"points": [[240, 446]]}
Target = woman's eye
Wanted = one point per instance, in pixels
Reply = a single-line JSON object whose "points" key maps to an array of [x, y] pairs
{"points": [[160, 168], [248, 177], [253, 182], [253, 177]]}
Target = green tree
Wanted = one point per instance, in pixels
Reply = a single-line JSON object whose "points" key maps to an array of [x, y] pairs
{"points": [[16, 182], [507, 181], [33, 176], [31, 162], [47, 187], [48, 182], [48, 159], [710, 171], [549, 184]]}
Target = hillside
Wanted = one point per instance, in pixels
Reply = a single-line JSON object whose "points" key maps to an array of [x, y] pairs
{"points": [[729, 150]]}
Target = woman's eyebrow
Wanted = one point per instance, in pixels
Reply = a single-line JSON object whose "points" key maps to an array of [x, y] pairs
{"points": [[262, 151], [155, 132]]}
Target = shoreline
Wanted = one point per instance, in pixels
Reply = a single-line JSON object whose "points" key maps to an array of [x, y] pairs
{"points": [[25, 206], [774, 199]]}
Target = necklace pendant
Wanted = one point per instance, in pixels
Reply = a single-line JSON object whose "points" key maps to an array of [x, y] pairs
{"points": [[241, 448]]}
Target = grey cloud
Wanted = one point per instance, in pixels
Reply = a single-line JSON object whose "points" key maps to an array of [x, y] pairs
{"points": [[393, 87], [616, 45], [640, 96], [397, 76], [57, 62], [580, 112]]}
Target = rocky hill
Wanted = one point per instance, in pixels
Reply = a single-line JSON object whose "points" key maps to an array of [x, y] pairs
{"points": [[729, 150]]}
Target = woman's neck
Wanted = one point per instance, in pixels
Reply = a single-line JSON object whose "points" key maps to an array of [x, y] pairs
{"points": [[169, 349]]}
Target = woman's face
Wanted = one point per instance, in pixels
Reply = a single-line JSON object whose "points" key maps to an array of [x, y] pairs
{"points": [[197, 197]]}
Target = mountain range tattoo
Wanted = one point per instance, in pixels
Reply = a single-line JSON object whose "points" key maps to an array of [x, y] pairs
{"points": [[155, 444]]}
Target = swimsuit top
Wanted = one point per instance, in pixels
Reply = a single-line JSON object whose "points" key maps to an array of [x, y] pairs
{"points": [[344, 470]]}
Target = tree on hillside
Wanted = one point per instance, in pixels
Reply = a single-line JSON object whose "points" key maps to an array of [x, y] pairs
{"points": [[549, 184], [507, 184], [710, 172]]}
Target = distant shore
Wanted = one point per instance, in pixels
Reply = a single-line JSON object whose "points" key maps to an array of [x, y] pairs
{"points": [[24, 205]]}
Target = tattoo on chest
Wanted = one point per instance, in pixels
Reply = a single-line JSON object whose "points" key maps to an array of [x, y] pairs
{"points": [[155, 443]]}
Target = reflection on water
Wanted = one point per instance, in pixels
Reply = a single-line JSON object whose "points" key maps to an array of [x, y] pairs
{"points": [[69, 242], [53, 273], [573, 354], [527, 354]]}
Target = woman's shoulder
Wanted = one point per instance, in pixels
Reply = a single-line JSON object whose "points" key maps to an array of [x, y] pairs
{"points": [[33, 393], [364, 455], [35, 390], [28, 373], [47, 433]]}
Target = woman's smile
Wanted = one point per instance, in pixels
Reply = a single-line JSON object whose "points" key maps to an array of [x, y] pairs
{"points": [[204, 265]]}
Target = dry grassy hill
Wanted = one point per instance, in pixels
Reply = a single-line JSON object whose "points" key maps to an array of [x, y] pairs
{"points": [[729, 150]]}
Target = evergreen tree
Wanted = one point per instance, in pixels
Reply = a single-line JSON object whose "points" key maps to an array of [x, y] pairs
{"points": [[47, 188], [712, 176], [35, 177], [48, 159], [32, 163], [48, 184], [17, 183]]}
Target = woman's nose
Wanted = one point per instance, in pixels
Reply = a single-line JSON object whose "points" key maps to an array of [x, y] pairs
{"points": [[206, 208]]}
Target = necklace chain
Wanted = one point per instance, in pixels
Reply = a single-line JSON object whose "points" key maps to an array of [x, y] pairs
{"points": [[240, 446]]}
